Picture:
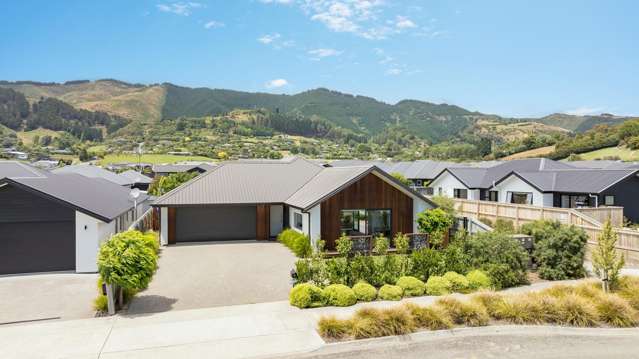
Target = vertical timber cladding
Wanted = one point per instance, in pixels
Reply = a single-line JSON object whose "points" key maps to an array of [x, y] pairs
{"points": [[370, 192], [171, 224], [263, 223]]}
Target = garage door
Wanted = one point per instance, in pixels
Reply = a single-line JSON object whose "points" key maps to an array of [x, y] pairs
{"points": [[215, 223], [27, 247]]}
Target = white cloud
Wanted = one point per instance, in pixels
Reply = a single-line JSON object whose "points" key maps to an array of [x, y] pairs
{"points": [[276, 83], [213, 24], [267, 39], [583, 111], [321, 53], [179, 8], [393, 71], [402, 22]]}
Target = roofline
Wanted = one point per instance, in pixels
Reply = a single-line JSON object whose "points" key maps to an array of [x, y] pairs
{"points": [[633, 172], [515, 173], [447, 169], [220, 204], [184, 185], [56, 199]]}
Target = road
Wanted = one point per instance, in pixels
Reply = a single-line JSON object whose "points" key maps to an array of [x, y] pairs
{"points": [[505, 343]]}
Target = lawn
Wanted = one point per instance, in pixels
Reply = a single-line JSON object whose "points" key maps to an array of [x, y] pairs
{"points": [[27, 136], [624, 153], [150, 158], [537, 152]]}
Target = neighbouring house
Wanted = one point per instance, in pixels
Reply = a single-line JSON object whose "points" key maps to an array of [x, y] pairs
{"points": [[56, 222], [18, 155], [92, 171], [46, 164], [249, 200], [139, 180], [167, 169]]}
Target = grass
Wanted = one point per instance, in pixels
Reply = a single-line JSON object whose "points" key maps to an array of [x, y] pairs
{"points": [[624, 153], [150, 158], [583, 305], [27, 136], [535, 152]]}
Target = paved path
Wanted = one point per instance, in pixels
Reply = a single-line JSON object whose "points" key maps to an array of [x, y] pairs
{"points": [[211, 274]]}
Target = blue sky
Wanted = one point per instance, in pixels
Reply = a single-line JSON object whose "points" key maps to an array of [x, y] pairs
{"points": [[513, 58]]}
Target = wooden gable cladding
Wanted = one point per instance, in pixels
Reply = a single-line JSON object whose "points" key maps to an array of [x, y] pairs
{"points": [[263, 224], [171, 224], [370, 192]]}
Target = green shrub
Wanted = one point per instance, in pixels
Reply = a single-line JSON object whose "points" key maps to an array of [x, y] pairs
{"points": [[365, 292], [386, 271], [559, 249], [433, 318], [470, 313], [362, 268], [411, 286], [500, 256], [333, 328], [344, 245], [478, 279], [337, 270], [435, 222], [381, 245], [339, 295], [390, 292], [455, 257], [504, 226], [437, 285], [458, 282], [426, 262], [616, 312], [306, 295], [100, 303], [297, 242], [127, 260]]}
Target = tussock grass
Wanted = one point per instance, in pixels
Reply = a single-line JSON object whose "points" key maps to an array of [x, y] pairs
{"points": [[333, 328], [468, 313], [589, 289], [575, 311], [559, 290], [432, 318], [372, 322], [629, 290], [615, 311], [490, 301], [527, 308]]}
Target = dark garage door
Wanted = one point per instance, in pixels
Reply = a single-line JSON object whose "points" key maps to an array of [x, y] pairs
{"points": [[215, 223], [27, 247]]}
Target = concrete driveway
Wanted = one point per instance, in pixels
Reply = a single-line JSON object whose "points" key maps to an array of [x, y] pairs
{"points": [[47, 296], [211, 274]]}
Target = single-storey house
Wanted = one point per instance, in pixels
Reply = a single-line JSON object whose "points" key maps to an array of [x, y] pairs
{"points": [[256, 199], [56, 222], [139, 180], [91, 171], [165, 170]]}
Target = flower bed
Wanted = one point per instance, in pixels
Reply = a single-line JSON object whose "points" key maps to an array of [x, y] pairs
{"points": [[583, 305]]}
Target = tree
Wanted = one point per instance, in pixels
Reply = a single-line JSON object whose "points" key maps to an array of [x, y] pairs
{"points": [[84, 155], [166, 184], [435, 222], [400, 177], [605, 259]]}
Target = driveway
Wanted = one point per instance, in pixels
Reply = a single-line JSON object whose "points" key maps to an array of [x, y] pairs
{"points": [[202, 275], [47, 296]]}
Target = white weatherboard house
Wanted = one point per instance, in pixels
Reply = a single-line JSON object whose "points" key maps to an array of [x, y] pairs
{"points": [[56, 222]]}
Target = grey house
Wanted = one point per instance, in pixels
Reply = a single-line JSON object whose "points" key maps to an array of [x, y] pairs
{"points": [[91, 171], [165, 170], [56, 222]]}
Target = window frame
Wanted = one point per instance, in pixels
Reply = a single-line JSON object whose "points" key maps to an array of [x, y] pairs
{"points": [[458, 191], [511, 195], [490, 196], [606, 200], [295, 221]]}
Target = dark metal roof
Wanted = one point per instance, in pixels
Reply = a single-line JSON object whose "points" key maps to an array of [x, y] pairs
{"points": [[577, 180], [18, 169], [420, 169], [92, 171], [136, 177], [181, 167]]}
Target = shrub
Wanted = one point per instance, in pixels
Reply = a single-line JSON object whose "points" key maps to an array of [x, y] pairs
{"points": [[337, 271], [490, 300], [478, 279], [559, 249], [344, 245], [362, 268], [500, 256], [458, 283], [606, 261], [365, 292], [629, 290], [615, 311], [390, 292], [433, 318], [411, 286], [435, 222], [371, 322], [437, 285], [100, 303], [576, 311], [455, 257], [127, 260], [339, 295], [526, 309], [504, 226], [333, 328], [306, 295], [471, 313], [381, 245], [426, 262], [297, 242], [386, 271]]}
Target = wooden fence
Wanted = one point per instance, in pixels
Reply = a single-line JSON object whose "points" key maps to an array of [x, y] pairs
{"points": [[628, 242]]}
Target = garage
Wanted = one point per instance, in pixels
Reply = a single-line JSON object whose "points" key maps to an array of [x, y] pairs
{"points": [[38, 234], [215, 223]]}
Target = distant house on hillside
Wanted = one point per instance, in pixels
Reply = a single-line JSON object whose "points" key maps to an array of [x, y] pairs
{"points": [[91, 171]]}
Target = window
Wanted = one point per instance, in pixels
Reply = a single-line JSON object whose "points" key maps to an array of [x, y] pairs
{"points": [[297, 220], [429, 191], [366, 222], [520, 197], [460, 193], [493, 196], [574, 200], [609, 200], [440, 191], [418, 183]]}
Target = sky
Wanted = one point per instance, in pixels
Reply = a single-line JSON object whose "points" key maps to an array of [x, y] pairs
{"points": [[512, 58]]}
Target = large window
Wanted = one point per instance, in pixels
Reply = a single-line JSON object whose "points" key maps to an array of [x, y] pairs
{"points": [[574, 200], [493, 196], [297, 220], [460, 193], [520, 197], [609, 200], [366, 221]]}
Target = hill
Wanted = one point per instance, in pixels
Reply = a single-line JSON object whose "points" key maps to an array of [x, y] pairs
{"points": [[580, 124]]}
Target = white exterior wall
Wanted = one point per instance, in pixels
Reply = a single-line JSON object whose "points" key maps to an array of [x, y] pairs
{"points": [[448, 183], [516, 184], [474, 194], [89, 234], [315, 222], [548, 200], [419, 206], [164, 226]]}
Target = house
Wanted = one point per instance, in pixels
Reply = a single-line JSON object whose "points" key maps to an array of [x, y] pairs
{"points": [[56, 222], [139, 180], [165, 170], [248, 200], [91, 171], [46, 164], [18, 155]]}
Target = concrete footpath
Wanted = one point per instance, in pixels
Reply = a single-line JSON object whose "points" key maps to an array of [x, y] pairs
{"points": [[241, 331]]}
